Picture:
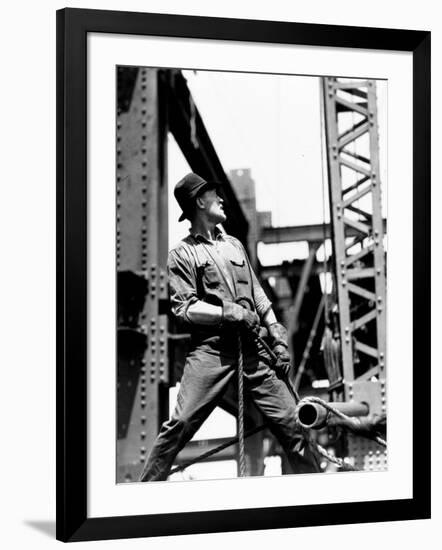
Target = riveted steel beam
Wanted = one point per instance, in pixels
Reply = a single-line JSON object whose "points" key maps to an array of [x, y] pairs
{"points": [[141, 260]]}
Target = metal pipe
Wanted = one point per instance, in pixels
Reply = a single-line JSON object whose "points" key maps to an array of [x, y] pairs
{"points": [[315, 415]]}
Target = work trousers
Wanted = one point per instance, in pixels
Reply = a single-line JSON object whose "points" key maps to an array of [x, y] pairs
{"points": [[207, 372]]}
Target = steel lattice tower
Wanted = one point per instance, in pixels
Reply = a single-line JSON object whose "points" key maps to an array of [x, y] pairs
{"points": [[351, 130]]}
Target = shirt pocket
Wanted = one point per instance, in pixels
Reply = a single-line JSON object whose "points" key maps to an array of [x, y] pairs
{"points": [[210, 275], [240, 271]]}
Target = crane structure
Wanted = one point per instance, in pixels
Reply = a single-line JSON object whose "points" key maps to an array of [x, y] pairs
{"points": [[352, 144]]}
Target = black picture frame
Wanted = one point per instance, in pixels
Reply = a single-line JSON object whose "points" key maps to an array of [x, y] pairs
{"points": [[73, 25]]}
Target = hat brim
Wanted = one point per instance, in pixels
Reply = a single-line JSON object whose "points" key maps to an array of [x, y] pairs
{"points": [[205, 187]]}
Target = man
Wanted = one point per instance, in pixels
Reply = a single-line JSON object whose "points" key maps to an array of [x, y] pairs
{"points": [[215, 292]]}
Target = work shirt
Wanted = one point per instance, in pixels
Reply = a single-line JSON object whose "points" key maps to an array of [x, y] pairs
{"points": [[213, 271]]}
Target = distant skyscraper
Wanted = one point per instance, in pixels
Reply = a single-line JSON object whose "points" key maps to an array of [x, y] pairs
{"points": [[244, 187]]}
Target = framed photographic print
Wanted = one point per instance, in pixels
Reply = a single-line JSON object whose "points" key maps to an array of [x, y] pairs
{"points": [[243, 274]]}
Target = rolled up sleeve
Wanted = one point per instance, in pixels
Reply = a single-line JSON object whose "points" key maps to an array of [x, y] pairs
{"points": [[262, 303], [182, 285]]}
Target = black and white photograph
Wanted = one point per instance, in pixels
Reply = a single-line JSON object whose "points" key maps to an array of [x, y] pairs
{"points": [[243, 249], [251, 260], [220, 284]]}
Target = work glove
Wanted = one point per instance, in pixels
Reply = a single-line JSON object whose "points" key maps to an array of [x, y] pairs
{"points": [[282, 363], [237, 315], [279, 343]]}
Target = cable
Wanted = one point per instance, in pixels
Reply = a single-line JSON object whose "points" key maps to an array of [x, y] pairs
{"points": [[242, 455], [324, 236]]}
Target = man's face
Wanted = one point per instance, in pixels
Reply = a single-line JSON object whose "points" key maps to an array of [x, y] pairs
{"points": [[213, 206]]}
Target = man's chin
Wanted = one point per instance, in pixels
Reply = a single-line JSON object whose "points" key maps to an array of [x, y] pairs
{"points": [[218, 217]]}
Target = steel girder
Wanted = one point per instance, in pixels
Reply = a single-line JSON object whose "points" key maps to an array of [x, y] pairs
{"points": [[141, 239], [296, 233], [351, 130]]}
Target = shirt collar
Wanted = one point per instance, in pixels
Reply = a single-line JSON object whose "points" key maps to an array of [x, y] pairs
{"points": [[219, 235]]}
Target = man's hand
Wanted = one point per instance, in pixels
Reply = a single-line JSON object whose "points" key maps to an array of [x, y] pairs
{"points": [[279, 343], [237, 315], [282, 360]]}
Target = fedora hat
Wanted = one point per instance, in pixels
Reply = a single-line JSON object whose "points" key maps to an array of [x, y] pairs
{"points": [[187, 189]]}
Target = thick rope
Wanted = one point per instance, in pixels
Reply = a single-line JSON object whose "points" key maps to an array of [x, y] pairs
{"points": [[321, 450], [335, 459], [242, 455], [242, 435]]}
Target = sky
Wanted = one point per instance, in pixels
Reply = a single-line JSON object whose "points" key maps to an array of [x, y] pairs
{"points": [[270, 124]]}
